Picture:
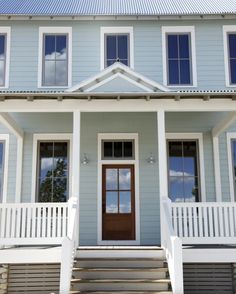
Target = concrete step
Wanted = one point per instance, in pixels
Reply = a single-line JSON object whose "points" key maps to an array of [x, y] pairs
{"points": [[120, 285]]}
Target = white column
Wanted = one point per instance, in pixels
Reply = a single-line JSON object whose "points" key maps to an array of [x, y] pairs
{"points": [[76, 161], [162, 161]]}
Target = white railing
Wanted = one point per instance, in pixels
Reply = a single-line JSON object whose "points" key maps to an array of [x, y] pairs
{"points": [[69, 245], [33, 223], [205, 223], [173, 248]]}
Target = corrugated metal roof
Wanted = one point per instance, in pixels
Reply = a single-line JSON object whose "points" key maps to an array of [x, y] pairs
{"points": [[116, 7]]}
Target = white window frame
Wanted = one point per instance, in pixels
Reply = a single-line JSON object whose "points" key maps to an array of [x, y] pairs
{"points": [[230, 137], [5, 138], [178, 30], [54, 30], [135, 162], [6, 31], [49, 137], [116, 30], [199, 138], [227, 29]]}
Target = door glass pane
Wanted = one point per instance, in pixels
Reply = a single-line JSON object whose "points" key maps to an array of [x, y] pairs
{"points": [[111, 179], [124, 179], [125, 202], [111, 202]]}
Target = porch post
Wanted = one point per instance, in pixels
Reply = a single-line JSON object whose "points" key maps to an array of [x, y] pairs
{"points": [[162, 160], [76, 160]]}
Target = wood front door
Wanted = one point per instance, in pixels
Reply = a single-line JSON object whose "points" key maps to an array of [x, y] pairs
{"points": [[118, 202]]}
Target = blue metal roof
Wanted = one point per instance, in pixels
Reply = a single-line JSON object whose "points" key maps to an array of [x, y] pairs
{"points": [[116, 7]]}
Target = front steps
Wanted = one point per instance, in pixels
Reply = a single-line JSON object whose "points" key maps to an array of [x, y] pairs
{"points": [[134, 275]]}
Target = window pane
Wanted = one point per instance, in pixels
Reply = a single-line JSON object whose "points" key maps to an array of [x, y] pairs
{"points": [[46, 160], [117, 149], [123, 47], [232, 45], [45, 190], [2, 46], [111, 179], [124, 179], [176, 189], [112, 202], [59, 190], [172, 46], [175, 159], [49, 46], [190, 158], [233, 70], [128, 149], [173, 72], [111, 47], [125, 202], [184, 46], [61, 73], [185, 72], [190, 190], [107, 149], [49, 73], [61, 45], [2, 72]]}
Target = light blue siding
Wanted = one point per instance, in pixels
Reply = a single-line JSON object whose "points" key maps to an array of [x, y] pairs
{"points": [[147, 50]]}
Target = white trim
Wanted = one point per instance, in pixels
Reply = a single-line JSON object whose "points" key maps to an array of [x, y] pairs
{"points": [[179, 29], [116, 30], [49, 137], [113, 136], [7, 31], [5, 138], [54, 30], [227, 29], [229, 137], [199, 137]]}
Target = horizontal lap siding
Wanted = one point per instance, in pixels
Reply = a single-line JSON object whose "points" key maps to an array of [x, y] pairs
{"points": [[33, 278], [145, 126]]}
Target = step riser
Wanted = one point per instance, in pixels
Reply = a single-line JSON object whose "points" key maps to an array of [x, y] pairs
{"points": [[119, 275], [119, 263], [120, 286]]}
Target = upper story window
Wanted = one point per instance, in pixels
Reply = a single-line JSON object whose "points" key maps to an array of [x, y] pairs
{"points": [[4, 56], [179, 56], [230, 54], [55, 57], [116, 45]]}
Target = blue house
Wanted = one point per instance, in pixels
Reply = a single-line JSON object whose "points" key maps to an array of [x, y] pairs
{"points": [[117, 146]]}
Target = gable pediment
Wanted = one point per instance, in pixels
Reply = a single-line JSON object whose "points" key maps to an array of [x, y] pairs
{"points": [[118, 78]]}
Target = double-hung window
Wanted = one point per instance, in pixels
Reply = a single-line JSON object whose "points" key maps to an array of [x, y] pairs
{"points": [[4, 56], [230, 54], [179, 56], [116, 46], [55, 57]]}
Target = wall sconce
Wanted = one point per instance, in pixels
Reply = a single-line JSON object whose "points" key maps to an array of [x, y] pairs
{"points": [[85, 160], [151, 159]]}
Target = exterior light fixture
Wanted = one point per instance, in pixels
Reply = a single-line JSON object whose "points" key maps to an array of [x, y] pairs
{"points": [[151, 159], [85, 160]]}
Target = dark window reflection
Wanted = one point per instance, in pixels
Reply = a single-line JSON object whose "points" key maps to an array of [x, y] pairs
{"points": [[2, 59], [1, 168], [117, 48], [53, 172], [183, 171], [179, 59], [55, 60]]}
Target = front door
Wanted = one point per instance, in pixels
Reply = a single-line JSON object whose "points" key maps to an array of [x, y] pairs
{"points": [[118, 202]]}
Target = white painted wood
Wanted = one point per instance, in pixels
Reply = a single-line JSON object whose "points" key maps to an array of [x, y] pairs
{"points": [[199, 138], [179, 29], [121, 136], [7, 32], [217, 173], [49, 137], [54, 30]]}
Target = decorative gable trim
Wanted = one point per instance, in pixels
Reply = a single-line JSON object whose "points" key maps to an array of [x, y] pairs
{"points": [[118, 70]]}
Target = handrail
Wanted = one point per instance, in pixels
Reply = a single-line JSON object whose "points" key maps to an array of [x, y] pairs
{"points": [[173, 248], [69, 246]]}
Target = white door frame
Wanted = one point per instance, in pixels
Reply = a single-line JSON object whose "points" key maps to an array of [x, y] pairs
{"points": [[135, 162]]}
